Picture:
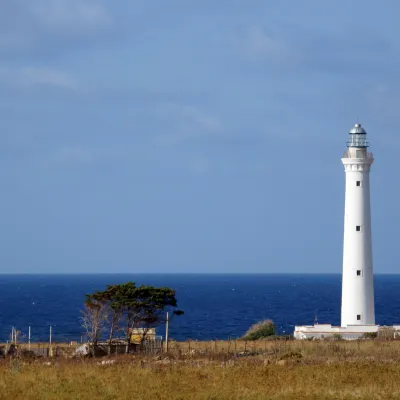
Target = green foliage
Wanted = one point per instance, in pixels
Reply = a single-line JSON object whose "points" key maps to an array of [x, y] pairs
{"points": [[370, 335], [134, 307], [336, 336], [260, 330]]}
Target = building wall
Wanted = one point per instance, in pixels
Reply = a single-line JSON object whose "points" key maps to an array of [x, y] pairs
{"points": [[351, 332]]}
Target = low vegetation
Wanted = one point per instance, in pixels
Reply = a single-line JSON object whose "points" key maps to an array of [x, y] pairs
{"points": [[260, 330], [262, 369]]}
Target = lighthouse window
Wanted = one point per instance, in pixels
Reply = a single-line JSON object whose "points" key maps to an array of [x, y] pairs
{"points": [[358, 228], [358, 317], [358, 183], [359, 272]]}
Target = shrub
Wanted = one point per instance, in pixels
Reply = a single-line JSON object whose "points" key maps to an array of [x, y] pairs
{"points": [[260, 330], [386, 333], [370, 335], [291, 355]]}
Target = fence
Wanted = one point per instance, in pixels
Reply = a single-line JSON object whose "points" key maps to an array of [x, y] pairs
{"points": [[148, 346], [22, 343]]}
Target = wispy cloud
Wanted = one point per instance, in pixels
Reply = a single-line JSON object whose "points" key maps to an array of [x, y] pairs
{"points": [[46, 76], [71, 15], [204, 120], [256, 43], [229, 167], [26, 77], [308, 49], [186, 121], [27, 25], [71, 156], [201, 166]]}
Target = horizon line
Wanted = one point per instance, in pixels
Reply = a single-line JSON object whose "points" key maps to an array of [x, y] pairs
{"points": [[185, 273]]}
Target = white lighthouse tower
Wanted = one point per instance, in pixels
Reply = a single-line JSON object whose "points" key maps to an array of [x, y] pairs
{"points": [[358, 311], [357, 278]]}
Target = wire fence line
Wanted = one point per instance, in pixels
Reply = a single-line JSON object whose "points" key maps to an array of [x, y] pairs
{"points": [[17, 336], [22, 343]]}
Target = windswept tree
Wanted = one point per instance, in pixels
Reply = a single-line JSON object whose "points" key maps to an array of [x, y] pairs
{"points": [[114, 311], [144, 307], [135, 308], [93, 319]]}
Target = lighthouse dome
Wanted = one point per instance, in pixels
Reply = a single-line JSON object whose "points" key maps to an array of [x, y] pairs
{"points": [[358, 130], [358, 137]]}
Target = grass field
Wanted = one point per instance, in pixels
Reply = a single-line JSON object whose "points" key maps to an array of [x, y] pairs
{"points": [[268, 370]]}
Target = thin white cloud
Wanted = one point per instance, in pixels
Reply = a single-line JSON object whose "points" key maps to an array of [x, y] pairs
{"points": [[28, 77], [206, 121], [229, 167], [50, 77], [255, 43], [71, 156], [186, 121], [71, 15], [45, 25], [201, 166]]}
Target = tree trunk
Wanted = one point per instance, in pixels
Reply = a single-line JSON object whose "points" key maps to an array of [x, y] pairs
{"points": [[127, 333]]}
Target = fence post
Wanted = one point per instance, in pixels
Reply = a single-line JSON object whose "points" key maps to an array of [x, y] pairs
{"points": [[50, 349], [166, 333], [29, 338]]}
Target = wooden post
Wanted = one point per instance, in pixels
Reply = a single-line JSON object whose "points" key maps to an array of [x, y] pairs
{"points": [[50, 349], [29, 338], [166, 333]]}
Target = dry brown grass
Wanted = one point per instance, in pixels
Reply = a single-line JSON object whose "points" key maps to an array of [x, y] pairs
{"points": [[282, 370]]}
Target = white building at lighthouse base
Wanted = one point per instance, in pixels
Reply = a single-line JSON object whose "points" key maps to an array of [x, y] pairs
{"points": [[324, 331], [349, 332]]}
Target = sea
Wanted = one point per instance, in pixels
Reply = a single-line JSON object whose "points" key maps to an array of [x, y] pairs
{"points": [[215, 306]]}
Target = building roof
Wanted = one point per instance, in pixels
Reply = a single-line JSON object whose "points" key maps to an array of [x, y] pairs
{"points": [[358, 129]]}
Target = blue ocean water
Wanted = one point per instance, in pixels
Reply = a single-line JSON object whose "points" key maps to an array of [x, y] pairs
{"points": [[216, 306]]}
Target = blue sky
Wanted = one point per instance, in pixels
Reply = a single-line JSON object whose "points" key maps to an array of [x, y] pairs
{"points": [[192, 136]]}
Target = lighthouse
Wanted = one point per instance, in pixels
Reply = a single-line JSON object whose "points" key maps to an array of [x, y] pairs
{"points": [[357, 273], [358, 309]]}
